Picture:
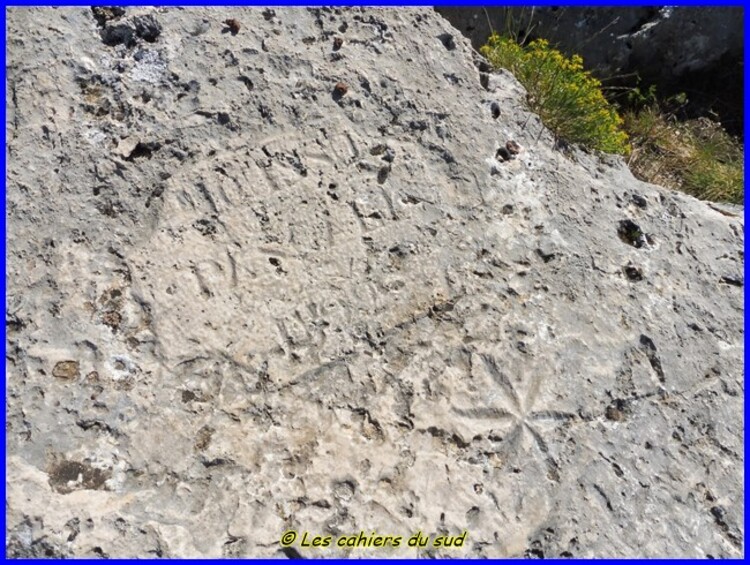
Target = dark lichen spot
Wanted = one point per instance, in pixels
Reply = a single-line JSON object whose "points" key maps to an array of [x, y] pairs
{"points": [[203, 438], [113, 319], [143, 150], [66, 476], [205, 227], [265, 112], [617, 411], [378, 149], [383, 174]]}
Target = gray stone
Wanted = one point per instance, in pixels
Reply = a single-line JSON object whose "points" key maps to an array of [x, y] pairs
{"points": [[269, 333]]}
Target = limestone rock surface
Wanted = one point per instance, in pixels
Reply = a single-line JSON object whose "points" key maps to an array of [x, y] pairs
{"points": [[276, 270]]}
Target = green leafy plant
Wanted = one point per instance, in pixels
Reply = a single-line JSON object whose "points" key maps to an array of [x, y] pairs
{"points": [[641, 98], [567, 98]]}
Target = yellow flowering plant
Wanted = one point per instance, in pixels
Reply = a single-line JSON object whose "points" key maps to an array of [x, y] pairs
{"points": [[567, 98]]}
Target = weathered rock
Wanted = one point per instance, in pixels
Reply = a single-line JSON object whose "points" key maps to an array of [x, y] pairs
{"points": [[66, 370], [333, 314]]}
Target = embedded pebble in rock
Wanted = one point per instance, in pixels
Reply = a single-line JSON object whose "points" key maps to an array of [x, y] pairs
{"points": [[239, 304], [66, 370]]}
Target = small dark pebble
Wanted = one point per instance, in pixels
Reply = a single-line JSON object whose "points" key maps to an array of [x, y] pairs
{"points": [[503, 154], [340, 88], [233, 25], [513, 147]]}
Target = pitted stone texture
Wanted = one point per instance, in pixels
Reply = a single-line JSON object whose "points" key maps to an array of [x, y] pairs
{"points": [[278, 306]]}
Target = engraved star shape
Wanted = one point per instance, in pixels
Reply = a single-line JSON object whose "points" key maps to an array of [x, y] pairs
{"points": [[520, 413]]}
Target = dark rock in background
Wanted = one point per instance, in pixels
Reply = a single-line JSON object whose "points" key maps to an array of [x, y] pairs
{"points": [[694, 50]]}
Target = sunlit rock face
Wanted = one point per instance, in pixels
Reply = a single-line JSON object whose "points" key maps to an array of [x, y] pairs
{"points": [[316, 270]]}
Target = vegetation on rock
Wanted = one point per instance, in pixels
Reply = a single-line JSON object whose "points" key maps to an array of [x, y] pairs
{"points": [[697, 156], [567, 98]]}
